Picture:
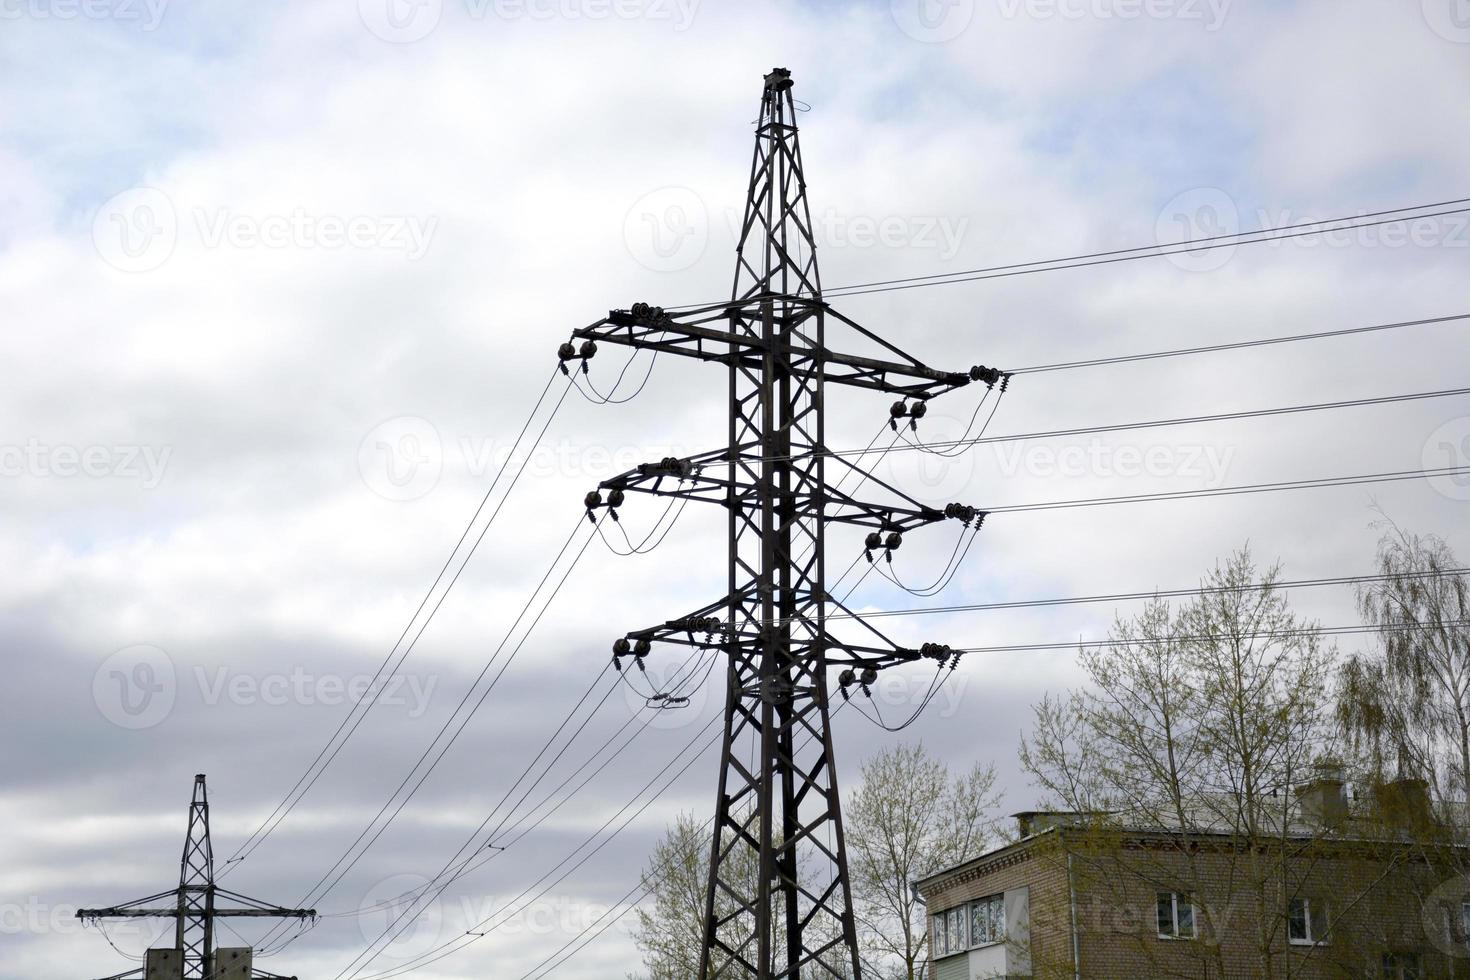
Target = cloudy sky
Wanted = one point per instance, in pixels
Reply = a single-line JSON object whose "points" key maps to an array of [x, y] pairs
{"points": [[280, 282]]}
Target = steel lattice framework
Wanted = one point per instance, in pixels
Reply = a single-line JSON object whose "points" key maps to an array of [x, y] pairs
{"points": [[195, 902], [778, 811]]}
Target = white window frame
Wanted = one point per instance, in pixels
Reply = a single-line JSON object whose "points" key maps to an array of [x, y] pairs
{"points": [[1176, 901], [994, 907], [959, 941], [1323, 910], [1394, 967]]}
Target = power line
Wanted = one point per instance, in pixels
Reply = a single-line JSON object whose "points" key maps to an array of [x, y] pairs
{"points": [[317, 889], [1338, 481], [1144, 252], [470, 936], [468, 864], [1237, 345], [473, 934], [1257, 413], [1264, 634], [1146, 594], [1230, 240], [1083, 430], [267, 827]]}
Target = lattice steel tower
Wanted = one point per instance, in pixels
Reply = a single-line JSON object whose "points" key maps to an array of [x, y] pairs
{"points": [[778, 810], [195, 907]]}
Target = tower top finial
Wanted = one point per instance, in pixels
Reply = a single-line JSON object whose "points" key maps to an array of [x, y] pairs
{"points": [[779, 80]]}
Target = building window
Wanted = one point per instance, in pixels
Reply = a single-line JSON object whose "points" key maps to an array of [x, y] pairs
{"points": [[1306, 921], [1176, 916], [957, 938], [1401, 966], [978, 923], [988, 921]]}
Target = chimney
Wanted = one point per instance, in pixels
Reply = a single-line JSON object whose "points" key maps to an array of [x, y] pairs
{"points": [[1324, 798], [1039, 821], [1403, 803]]}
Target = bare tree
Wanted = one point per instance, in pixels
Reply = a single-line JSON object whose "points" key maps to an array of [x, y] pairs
{"points": [[910, 817], [1195, 723], [1407, 705], [670, 933]]}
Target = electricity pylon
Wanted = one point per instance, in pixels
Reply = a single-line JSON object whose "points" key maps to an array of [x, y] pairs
{"points": [[781, 805], [195, 903]]}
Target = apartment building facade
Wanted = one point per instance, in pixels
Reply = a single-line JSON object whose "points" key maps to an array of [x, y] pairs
{"points": [[1079, 897]]}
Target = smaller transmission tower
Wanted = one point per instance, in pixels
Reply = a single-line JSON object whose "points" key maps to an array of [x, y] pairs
{"points": [[194, 907]]}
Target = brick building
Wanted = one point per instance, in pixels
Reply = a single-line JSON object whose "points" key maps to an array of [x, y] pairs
{"points": [[1378, 890]]}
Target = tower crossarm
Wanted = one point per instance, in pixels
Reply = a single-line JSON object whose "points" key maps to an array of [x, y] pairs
{"points": [[711, 333], [680, 480]]}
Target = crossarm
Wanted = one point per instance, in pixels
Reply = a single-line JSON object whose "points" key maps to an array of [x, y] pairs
{"points": [[706, 334]]}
